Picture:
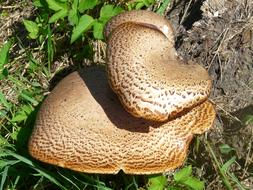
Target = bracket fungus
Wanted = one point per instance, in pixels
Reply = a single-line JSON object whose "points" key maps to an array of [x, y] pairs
{"points": [[83, 126]]}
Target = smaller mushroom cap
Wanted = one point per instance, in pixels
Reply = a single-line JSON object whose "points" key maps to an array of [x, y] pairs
{"points": [[82, 126], [148, 77]]}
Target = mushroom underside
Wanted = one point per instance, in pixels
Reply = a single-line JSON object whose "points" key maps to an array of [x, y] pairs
{"points": [[82, 126]]}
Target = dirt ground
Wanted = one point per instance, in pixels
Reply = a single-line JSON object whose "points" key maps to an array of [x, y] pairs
{"points": [[222, 40], [217, 34]]}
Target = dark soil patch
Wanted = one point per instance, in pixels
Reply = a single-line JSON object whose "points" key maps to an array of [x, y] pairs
{"points": [[219, 35]]}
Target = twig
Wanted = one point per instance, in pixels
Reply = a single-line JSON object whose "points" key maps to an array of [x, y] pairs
{"points": [[9, 7], [227, 113], [185, 12]]}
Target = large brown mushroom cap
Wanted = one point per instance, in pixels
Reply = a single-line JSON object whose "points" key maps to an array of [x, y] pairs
{"points": [[82, 126]]}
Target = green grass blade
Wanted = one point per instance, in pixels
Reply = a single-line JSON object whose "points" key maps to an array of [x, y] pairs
{"points": [[4, 175], [84, 24], [163, 7], [225, 168], [227, 164], [28, 98], [17, 82], [221, 172], [69, 180], [16, 182], [4, 102], [4, 54], [235, 179], [6, 163], [41, 171], [50, 48]]}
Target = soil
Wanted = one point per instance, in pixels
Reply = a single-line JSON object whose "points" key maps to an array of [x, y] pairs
{"points": [[221, 40], [217, 34]]}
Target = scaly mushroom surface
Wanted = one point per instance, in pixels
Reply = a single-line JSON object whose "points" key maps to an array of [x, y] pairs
{"points": [[144, 70], [81, 125]]}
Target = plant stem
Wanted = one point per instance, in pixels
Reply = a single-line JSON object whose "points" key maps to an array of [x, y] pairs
{"points": [[221, 172]]}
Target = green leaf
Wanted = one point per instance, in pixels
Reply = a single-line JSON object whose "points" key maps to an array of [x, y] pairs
{"points": [[75, 4], [22, 114], [139, 5], [4, 54], [4, 102], [73, 17], [183, 174], [129, 6], [14, 134], [32, 28], [58, 15], [157, 182], [4, 73], [87, 4], [19, 117], [194, 183], [57, 6], [40, 3], [108, 11], [148, 2], [83, 25], [225, 149], [98, 30], [37, 3]]}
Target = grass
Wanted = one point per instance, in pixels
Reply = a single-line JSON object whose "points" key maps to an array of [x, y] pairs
{"points": [[28, 68]]}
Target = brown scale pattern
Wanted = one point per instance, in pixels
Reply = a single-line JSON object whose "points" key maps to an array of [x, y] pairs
{"points": [[146, 74], [82, 126]]}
